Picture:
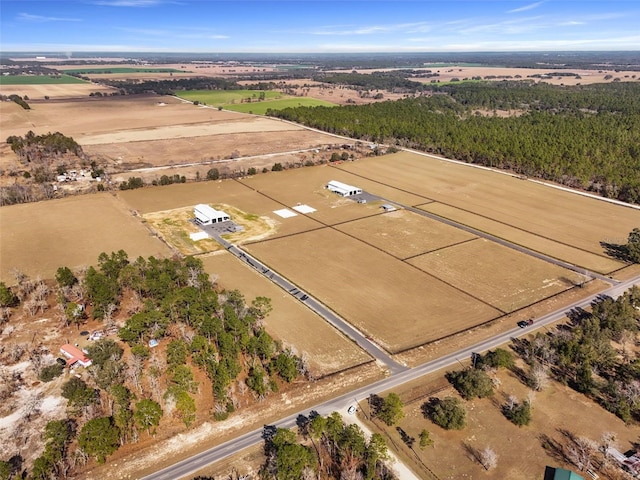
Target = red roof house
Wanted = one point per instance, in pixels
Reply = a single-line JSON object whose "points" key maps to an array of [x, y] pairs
{"points": [[75, 355]]}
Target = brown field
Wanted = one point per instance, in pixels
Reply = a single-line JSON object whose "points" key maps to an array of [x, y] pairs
{"points": [[553, 214], [371, 289], [501, 277], [462, 72], [404, 234], [37, 238], [550, 247], [520, 451], [327, 350], [54, 91]]}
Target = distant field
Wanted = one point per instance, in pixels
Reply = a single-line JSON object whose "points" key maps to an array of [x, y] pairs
{"points": [[108, 70], [39, 80], [236, 100], [545, 218]]}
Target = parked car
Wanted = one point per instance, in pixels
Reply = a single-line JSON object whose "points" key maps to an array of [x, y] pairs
{"points": [[351, 410], [525, 323]]}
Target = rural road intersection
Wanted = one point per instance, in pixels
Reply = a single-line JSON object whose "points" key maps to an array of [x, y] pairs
{"points": [[200, 460], [398, 374]]}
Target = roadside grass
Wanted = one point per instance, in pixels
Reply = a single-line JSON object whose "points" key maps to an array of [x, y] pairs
{"points": [[39, 80]]}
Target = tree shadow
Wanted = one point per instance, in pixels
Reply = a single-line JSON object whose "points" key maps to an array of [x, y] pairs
{"points": [[617, 251], [428, 407], [406, 438], [375, 404], [472, 452], [553, 448]]}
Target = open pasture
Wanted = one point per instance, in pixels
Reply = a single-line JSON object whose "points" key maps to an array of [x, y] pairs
{"points": [[506, 279], [405, 234], [248, 101], [97, 70], [540, 211], [291, 322], [396, 304], [55, 91], [37, 238], [575, 256], [95, 115], [39, 80]]}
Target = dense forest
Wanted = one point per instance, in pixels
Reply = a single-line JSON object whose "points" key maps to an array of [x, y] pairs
{"points": [[169, 87], [585, 137]]}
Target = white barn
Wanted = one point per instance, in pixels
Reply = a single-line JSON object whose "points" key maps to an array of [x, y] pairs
{"points": [[205, 215], [343, 189]]}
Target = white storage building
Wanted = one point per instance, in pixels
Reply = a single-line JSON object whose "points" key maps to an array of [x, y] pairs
{"points": [[343, 189], [205, 215]]}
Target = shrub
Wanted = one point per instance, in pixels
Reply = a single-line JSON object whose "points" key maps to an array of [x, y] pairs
{"points": [[518, 414], [471, 383], [448, 413], [50, 372]]}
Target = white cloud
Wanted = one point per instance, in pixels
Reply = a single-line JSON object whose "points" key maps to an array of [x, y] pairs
{"points": [[27, 17], [531, 6]]}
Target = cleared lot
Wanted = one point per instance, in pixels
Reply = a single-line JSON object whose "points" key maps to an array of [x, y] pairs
{"points": [[498, 275], [543, 213], [37, 238], [393, 302], [404, 234]]}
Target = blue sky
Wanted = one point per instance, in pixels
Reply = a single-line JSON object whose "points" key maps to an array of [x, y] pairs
{"points": [[318, 26]]}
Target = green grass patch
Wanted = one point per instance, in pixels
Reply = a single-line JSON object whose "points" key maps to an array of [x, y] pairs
{"points": [[107, 70], [248, 101], [38, 79]]}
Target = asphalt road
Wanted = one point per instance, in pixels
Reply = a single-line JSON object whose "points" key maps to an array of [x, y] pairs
{"points": [[342, 325], [340, 403]]}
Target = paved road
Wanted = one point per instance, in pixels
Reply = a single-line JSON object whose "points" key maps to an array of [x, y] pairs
{"points": [[192, 464], [342, 325]]}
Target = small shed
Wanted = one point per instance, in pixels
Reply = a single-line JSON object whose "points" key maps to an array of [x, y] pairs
{"points": [[75, 355], [206, 215], [388, 207], [343, 189]]}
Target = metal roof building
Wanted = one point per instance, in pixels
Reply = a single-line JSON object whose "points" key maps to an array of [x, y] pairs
{"points": [[205, 215], [343, 189]]}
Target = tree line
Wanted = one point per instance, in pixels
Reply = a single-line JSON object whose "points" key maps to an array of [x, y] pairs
{"points": [[584, 137]]}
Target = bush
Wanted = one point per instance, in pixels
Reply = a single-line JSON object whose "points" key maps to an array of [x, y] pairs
{"points": [[497, 358], [65, 277], [213, 174], [518, 414], [471, 383], [50, 372], [277, 167], [447, 413], [7, 297]]}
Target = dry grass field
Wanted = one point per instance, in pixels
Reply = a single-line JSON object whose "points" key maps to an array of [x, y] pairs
{"points": [[503, 278], [291, 322], [371, 289], [37, 238], [404, 234], [54, 91], [520, 451], [542, 212]]}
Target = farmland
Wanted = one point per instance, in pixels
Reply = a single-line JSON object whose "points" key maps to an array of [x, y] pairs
{"points": [[69, 232], [249, 101], [106, 70], [39, 80]]}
